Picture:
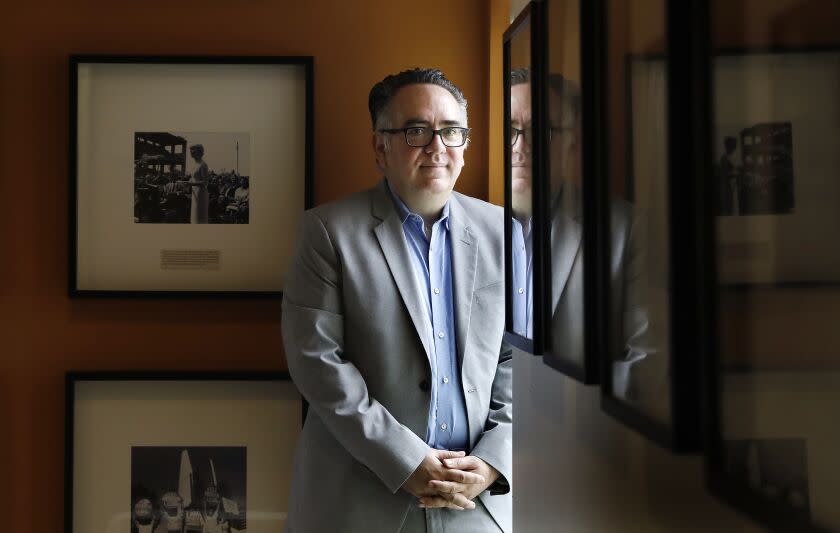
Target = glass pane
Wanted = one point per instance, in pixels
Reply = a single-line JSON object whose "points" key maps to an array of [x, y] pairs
{"points": [[638, 240], [565, 202], [521, 139], [776, 131]]}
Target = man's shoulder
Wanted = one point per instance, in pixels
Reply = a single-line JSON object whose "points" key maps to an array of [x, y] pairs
{"points": [[346, 209], [621, 211], [479, 211]]}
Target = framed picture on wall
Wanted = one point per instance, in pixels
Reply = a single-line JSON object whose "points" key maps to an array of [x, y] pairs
{"points": [[775, 164], [526, 233], [654, 248], [772, 387], [570, 164], [152, 452], [772, 448], [187, 174]]}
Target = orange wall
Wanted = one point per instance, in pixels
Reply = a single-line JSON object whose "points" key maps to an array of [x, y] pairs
{"points": [[44, 332], [498, 23]]}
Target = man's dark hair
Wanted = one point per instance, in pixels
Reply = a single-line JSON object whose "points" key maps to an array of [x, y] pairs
{"points": [[520, 75], [565, 88], [382, 93]]}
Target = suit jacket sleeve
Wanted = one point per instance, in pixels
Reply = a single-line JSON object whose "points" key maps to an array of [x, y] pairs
{"points": [[494, 446], [638, 366], [313, 332]]}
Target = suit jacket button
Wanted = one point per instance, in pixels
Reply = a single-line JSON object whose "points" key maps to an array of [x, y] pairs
{"points": [[424, 385]]}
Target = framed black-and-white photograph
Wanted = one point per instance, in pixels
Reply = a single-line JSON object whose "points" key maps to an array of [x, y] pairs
{"points": [[187, 174], [151, 452], [774, 163], [772, 447], [777, 118]]}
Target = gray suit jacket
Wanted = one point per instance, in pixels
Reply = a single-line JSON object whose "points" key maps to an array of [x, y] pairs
{"points": [[629, 335], [356, 342]]}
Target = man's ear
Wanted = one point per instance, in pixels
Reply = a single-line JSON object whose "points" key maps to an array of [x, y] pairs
{"points": [[379, 148]]}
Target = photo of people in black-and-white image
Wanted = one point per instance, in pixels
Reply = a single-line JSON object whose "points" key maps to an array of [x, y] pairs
{"points": [[188, 489], [191, 178], [754, 170], [775, 468]]}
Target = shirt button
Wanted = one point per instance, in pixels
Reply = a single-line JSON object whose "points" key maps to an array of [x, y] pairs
{"points": [[443, 426], [437, 291], [521, 290], [440, 334], [445, 379]]}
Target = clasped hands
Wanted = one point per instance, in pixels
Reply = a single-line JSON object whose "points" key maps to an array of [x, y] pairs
{"points": [[450, 479]]}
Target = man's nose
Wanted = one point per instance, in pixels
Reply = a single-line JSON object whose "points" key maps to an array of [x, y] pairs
{"points": [[436, 146], [520, 146]]}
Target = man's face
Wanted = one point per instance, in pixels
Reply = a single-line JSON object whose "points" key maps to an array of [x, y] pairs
{"points": [[564, 149], [420, 175], [520, 118]]}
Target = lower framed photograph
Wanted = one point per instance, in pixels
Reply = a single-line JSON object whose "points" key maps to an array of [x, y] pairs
{"points": [[186, 452]]}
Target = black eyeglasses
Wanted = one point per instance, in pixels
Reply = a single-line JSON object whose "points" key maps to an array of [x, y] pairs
{"points": [[420, 137], [528, 135]]}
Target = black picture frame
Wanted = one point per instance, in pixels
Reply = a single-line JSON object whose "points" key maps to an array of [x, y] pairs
{"points": [[587, 370], [690, 260], [100, 248], [531, 19], [722, 476], [131, 389]]}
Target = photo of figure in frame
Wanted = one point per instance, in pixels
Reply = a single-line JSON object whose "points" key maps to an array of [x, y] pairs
{"points": [[755, 170], [188, 489], [191, 178]]}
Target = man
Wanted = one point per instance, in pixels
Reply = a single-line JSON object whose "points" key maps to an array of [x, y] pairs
{"points": [[393, 317], [628, 318]]}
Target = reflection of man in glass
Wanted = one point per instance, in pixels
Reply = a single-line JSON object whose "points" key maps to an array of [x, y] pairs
{"points": [[628, 320], [520, 185]]}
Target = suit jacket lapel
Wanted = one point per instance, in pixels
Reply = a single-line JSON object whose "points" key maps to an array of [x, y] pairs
{"points": [[392, 241], [565, 240], [464, 253]]}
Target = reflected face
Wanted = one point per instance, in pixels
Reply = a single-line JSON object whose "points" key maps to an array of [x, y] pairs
{"points": [[520, 118], [420, 175], [564, 148]]}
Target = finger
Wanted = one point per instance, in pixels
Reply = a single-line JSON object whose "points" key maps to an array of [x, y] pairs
{"points": [[436, 502], [469, 462], [458, 500], [449, 454], [463, 476], [433, 502], [448, 487]]}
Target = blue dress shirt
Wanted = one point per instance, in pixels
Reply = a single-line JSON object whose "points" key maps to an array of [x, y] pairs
{"points": [[432, 259], [523, 279]]}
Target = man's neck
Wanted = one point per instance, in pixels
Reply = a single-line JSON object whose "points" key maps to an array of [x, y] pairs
{"points": [[522, 216], [429, 210]]}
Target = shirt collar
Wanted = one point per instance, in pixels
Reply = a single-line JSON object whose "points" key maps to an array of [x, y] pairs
{"points": [[404, 212]]}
